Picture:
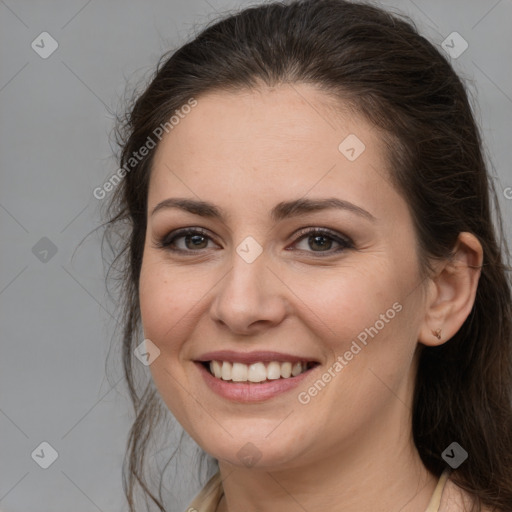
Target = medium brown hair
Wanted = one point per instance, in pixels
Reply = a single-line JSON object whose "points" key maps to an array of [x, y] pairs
{"points": [[379, 65]]}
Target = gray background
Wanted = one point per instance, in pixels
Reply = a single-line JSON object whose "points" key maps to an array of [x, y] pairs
{"points": [[57, 323]]}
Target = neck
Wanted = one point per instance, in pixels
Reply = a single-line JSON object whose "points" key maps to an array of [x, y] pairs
{"points": [[401, 484]]}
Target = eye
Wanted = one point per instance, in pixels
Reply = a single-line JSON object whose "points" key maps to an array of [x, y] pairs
{"points": [[321, 240], [194, 239]]}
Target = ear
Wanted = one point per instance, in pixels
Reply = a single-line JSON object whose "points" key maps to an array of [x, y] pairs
{"points": [[451, 291]]}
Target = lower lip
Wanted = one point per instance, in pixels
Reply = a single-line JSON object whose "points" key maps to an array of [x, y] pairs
{"points": [[247, 392]]}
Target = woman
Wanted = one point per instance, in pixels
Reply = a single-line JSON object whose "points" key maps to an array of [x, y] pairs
{"points": [[311, 258]]}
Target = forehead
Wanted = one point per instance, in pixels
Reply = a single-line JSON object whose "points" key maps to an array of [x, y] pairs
{"points": [[288, 141], [250, 117]]}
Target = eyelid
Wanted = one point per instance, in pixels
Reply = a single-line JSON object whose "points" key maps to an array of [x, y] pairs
{"points": [[324, 231], [164, 241]]}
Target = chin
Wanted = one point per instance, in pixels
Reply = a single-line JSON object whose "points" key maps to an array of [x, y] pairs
{"points": [[253, 448]]}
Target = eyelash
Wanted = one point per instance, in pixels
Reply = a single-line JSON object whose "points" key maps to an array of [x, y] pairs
{"points": [[168, 240]]}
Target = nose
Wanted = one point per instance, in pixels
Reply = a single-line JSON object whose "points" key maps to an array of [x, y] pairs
{"points": [[250, 297]]}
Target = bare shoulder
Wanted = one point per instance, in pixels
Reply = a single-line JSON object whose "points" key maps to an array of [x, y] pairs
{"points": [[455, 499]]}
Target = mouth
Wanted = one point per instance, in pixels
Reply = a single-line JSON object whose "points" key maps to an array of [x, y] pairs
{"points": [[254, 377], [258, 372]]}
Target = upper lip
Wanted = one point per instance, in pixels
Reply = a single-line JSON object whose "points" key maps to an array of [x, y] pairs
{"points": [[252, 357]]}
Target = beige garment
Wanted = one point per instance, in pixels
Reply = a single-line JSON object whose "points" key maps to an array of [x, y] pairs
{"points": [[210, 495]]}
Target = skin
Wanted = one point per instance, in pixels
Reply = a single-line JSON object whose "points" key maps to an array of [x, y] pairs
{"points": [[350, 448]]}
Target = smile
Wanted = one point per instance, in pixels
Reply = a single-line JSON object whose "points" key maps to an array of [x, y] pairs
{"points": [[257, 372], [265, 383]]}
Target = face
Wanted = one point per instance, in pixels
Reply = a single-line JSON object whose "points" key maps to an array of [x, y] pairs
{"points": [[271, 277]]}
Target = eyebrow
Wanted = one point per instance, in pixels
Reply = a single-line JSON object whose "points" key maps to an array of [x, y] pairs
{"points": [[281, 211]]}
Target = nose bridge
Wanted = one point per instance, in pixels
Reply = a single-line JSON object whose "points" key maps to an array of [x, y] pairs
{"points": [[245, 282], [248, 266], [248, 293]]}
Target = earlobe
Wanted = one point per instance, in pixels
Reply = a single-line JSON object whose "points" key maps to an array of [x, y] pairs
{"points": [[452, 292], [437, 334]]}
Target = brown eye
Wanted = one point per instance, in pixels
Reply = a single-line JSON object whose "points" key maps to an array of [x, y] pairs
{"points": [[185, 240], [317, 241], [321, 241]]}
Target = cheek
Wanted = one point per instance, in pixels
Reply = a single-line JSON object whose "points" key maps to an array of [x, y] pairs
{"points": [[344, 301], [366, 318], [164, 303], [166, 306], [173, 304]]}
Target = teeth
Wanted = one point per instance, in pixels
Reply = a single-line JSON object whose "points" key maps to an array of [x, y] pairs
{"points": [[226, 370], [256, 372], [238, 372], [297, 369], [286, 370], [273, 370], [216, 369]]}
